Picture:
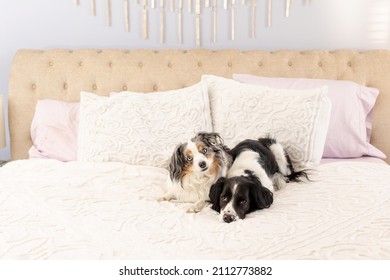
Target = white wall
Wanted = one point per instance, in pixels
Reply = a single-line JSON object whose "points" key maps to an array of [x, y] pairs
{"points": [[324, 24]]}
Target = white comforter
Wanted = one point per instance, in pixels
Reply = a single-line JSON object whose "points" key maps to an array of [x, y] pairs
{"points": [[54, 210]]}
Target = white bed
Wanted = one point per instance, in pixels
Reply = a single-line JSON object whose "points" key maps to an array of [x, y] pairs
{"points": [[108, 210]]}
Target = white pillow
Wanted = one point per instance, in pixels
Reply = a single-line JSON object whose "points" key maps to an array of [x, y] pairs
{"points": [[350, 123], [138, 128], [298, 119]]}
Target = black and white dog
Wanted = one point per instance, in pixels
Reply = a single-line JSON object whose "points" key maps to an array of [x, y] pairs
{"points": [[259, 168], [194, 167]]}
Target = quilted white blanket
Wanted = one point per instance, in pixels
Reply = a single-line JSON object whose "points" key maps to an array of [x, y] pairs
{"points": [[54, 210]]}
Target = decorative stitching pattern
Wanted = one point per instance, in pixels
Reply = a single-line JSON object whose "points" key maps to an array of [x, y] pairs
{"points": [[139, 128]]}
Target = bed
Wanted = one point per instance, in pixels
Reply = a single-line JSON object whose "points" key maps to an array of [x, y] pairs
{"points": [[105, 207]]}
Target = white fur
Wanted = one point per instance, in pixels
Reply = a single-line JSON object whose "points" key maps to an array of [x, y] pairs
{"points": [[194, 189], [281, 159], [249, 160], [229, 209]]}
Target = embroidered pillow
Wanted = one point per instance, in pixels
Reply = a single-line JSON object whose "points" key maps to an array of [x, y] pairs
{"points": [[297, 119], [138, 128], [350, 122]]}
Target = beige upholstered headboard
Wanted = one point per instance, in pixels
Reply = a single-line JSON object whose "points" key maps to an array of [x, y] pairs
{"points": [[62, 74]]}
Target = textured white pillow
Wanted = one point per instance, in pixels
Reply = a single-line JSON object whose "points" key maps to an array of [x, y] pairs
{"points": [[298, 119], [138, 128]]}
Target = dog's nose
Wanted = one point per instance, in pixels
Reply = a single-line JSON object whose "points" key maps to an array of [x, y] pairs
{"points": [[228, 218], [202, 164]]}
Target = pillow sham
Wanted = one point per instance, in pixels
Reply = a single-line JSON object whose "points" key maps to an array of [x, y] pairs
{"points": [[138, 128], [54, 130], [350, 122], [297, 119]]}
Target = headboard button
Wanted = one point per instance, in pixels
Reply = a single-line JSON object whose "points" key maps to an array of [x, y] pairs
{"points": [[349, 64], [260, 64], [140, 64], [230, 64], [320, 64], [65, 86], [51, 63], [289, 63], [94, 87], [155, 87], [124, 87], [33, 86], [199, 64]]}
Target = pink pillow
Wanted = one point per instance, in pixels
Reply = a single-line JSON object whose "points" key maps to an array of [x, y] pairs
{"points": [[350, 122], [54, 130]]}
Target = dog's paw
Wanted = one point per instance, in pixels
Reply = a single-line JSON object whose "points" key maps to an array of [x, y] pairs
{"points": [[196, 207], [193, 209], [279, 181], [164, 198]]}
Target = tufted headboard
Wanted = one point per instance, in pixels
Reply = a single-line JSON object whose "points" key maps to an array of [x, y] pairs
{"points": [[62, 74]]}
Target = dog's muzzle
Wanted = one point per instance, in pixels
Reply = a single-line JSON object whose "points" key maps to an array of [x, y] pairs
{"points": [[228, 218], [203, 166]]}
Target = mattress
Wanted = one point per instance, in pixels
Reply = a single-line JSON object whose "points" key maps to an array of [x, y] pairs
{"points": [[79, 210]]}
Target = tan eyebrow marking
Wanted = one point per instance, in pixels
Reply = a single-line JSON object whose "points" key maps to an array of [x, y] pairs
{"points": [[188, 153]]}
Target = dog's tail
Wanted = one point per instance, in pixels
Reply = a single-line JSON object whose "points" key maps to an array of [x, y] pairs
{"points": [[284, 161], [299, 176]]}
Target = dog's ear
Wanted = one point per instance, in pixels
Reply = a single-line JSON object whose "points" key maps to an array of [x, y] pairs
{"points": [[176, 164], [212, 139], [261, 197], [215, 193], [209, 138]]}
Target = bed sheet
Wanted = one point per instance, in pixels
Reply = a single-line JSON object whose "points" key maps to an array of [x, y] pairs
{"points": [[74, 210], [360, 159]]}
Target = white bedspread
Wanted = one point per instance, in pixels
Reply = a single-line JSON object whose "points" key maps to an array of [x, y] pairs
{"points": [[54, 210]]}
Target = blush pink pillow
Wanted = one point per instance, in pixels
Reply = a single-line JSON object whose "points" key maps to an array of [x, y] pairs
{"points": [[350, 122], [54, 130]]}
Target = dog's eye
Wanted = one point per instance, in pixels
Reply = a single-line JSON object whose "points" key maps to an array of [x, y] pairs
{"points": [[189, 159], [242, 201], [204, 151], [224, 198]]}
